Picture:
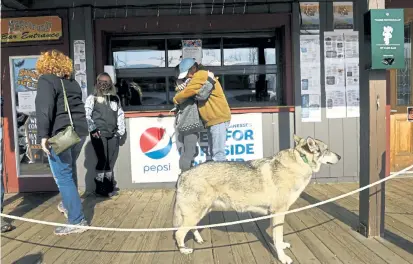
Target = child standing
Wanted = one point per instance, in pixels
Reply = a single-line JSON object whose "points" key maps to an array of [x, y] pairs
{"points": [[106, 123]]}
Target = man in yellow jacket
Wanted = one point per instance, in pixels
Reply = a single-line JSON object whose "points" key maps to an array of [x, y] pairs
{"points": [[214, 111]]}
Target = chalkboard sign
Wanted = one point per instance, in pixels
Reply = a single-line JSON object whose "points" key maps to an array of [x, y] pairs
{"points": [[35, 153]]}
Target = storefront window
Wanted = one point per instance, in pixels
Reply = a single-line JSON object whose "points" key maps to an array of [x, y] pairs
{"points": [[211, 52], [141, 54], [241, 89], [245, 64], [149, 91], [30, 157], [249, 51]]}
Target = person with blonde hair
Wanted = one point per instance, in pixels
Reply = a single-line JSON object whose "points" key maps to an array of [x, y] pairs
{"points": [[106, 125], [56, 82]]}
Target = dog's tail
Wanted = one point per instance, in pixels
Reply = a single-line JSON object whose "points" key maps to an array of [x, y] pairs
{"points": [[177, 218]]}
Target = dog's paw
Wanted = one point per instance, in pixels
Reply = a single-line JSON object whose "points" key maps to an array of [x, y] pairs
{"points": [[199, 241], [285, 245], [285, 259], [186, 250]]}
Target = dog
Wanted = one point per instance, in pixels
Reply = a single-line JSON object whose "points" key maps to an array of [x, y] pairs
{"points": [[264, 186]]}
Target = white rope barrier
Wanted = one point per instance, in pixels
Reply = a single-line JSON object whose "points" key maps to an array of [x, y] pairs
{"points": [[213, 225]]}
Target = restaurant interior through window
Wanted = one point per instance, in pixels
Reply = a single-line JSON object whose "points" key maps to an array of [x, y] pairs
{"points": [[248, 66]]}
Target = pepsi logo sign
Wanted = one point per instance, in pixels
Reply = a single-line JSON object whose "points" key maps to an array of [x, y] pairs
{"points": [[155, 143]]}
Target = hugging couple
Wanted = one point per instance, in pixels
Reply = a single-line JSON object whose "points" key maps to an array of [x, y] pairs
{"points": [[200, 103]]}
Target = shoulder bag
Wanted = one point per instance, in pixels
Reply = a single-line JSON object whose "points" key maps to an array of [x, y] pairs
{"points": [[67, 138], [187, 119]]}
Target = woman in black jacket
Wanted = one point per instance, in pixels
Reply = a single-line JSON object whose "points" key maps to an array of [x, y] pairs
{"points": [[56, 70], [106, 124]]}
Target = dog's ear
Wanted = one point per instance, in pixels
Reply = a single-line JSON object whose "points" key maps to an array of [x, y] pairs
{"points": [[312, 145], [297, 139]]}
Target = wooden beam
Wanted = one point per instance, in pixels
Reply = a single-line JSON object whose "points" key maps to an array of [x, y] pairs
{"points": [[372, 135]]}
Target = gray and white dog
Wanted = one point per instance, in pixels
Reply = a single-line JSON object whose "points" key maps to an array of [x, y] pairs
{"points": [[264, 186]]}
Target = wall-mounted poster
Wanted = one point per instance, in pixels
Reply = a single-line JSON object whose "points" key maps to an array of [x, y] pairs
{"points": [[192, 48], [79, 48], [335, 76], [31, 161], [310, 78], [155, 146], [310, 16], [343, 15]]}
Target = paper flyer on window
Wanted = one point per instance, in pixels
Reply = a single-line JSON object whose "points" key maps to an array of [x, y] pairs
{"points": [[80, 66], [343, 15], [192, 48], [310, 78], [310, 16], [335, 75], [352, 74]]}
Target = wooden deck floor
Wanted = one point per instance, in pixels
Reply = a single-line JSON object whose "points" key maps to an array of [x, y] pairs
{"points": [[321, 235]]}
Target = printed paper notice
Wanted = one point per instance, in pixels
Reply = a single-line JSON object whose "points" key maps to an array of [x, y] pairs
{"points": [[310, 16], [343, 15], [26, 101], [336, 102], [353, 101], [192, 49], [80, 56], [80, 66], [352, 74], [335, 76], [310, 78], [82, 81]]}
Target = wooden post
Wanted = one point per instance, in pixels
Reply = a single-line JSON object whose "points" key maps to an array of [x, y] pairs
{"points": [[372, 134]]}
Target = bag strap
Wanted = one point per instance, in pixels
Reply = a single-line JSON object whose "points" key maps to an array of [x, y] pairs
{"points": [[67, 108]]}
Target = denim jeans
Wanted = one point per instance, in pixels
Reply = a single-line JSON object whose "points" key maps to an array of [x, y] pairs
{"points": [[217, 137], [63, 167]]}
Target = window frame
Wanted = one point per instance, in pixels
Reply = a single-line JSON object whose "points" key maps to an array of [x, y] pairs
{"points": [[222, 70]]}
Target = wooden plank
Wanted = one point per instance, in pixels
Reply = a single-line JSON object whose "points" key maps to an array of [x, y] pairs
{"points": [[316, 246], [29, 211], [342, 216], [323, 233], [259, 247], [132, 242], [146, 251], [23, 243], [351, 141], [102, 217], [121, 210], [166, 247], [50, 214], [390, 232], [113, 246], [395, 223], [266, 231], [298, 247], [65, 242], [239, 243], [48, 240], [321, 132], [336, 144], [220, 241], [203, 253]]}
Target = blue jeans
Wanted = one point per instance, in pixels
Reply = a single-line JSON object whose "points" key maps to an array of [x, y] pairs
{"points": [[63, 167], [217, 137]]}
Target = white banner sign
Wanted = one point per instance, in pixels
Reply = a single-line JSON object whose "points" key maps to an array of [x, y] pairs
{"points": [[155, 148]]}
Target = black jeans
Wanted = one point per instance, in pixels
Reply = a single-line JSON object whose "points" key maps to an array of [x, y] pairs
{"points": [[188, 150], [107, 150]]}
